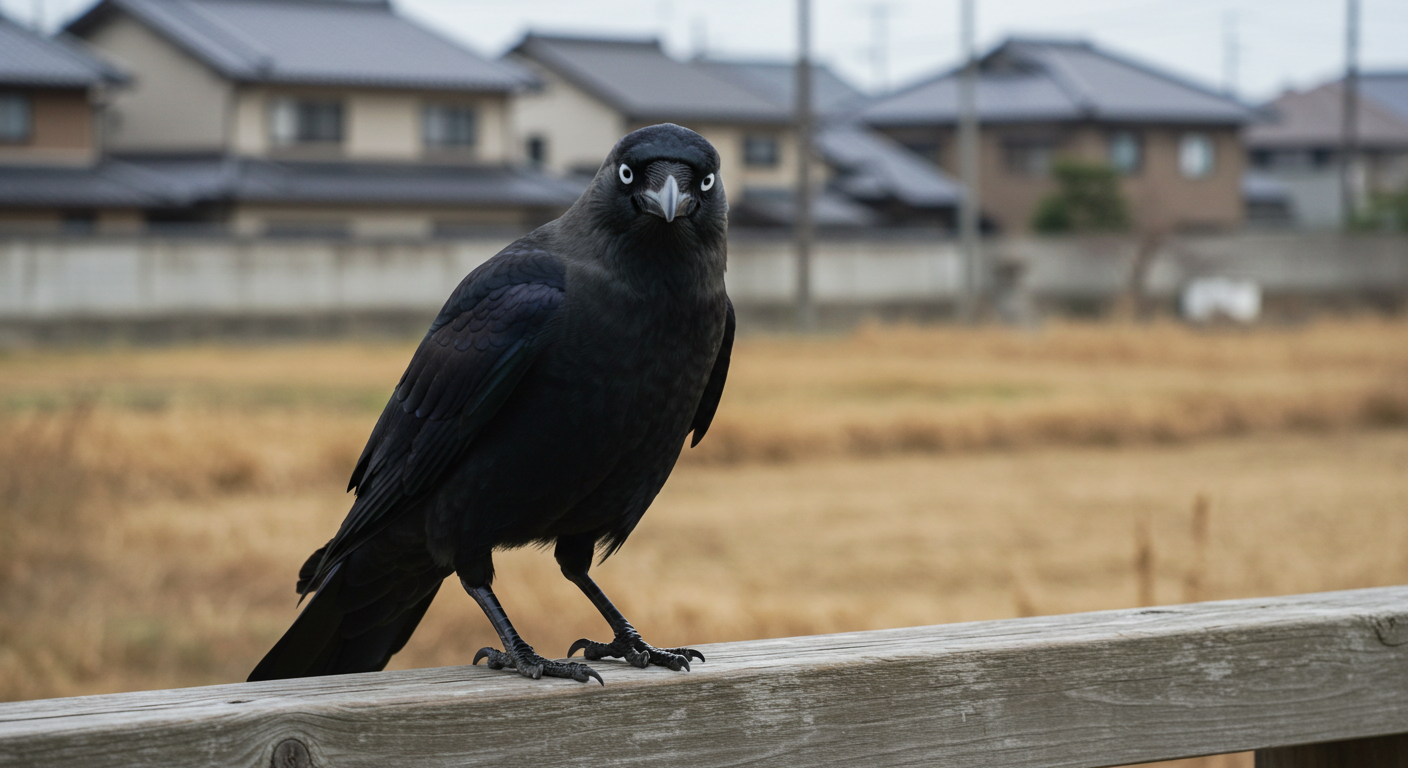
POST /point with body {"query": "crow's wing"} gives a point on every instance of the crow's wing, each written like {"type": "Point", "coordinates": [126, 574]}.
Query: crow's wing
{"type": "Point", "coordinates": [477, 349]}
{"type": "Point", "coordinates": [709, 401]}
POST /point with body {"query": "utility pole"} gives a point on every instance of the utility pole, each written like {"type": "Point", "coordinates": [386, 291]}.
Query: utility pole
{"type": "Point", "coordinates": [968, 166]}
{"type": "Point", "coordinates": [1349, 127]}
{"type": "Point", "coordinates": [880, 46]}
{"type": "Point", "coordinates": [806, 312]}
{"type": "Point", "coordinates": [1231, 53]}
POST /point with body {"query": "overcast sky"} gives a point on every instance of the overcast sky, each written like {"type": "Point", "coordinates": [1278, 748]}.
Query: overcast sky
{"type": "Point", "coordinates": [1278, 43]}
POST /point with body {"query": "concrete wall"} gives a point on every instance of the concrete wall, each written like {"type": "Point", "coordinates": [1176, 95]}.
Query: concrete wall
{"type": "Point", "coordinates": [57, 279]}
{"type": "Point", "coordinates": [173, 104]}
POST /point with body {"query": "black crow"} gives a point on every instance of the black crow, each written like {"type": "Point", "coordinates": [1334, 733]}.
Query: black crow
{"type": "Point", "coordinates": [546, 405]}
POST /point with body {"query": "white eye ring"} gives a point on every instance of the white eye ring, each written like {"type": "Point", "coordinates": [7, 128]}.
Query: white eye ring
{"type": "Point", "coordinates": [708, 183]}
{"type": "Point", "coordinates": [625, 173]}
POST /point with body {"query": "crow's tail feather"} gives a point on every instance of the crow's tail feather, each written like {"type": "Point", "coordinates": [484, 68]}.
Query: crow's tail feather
{"type": "Point", "coordinates": [323, 641]}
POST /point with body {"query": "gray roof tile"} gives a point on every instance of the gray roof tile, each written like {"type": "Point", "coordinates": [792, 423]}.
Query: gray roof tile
{"type": "Point", "coordinates": [1041, 80]}
{"type": "Point", "coordinates": [324, 42]}
{"type": "Point", "coordinates": [872, 167]}
{"type": "Point", "coordinates": [147, 182]}
{"type": "Point", "coordinates": [29, 59]}
{"type": "Point", "coordinates": [1314, 118]}
{"type": "Point", "coordinates": [777, 82]}
{"type": "Point", "coordinates": [639, 79]}
{"type": "Point", "coordinates": [1388, 89]}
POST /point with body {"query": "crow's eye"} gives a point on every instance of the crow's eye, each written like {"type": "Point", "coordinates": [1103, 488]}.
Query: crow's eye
{"type": "Point", "coordinates": [625, 173]}
{"type": "Point", "coordinates": [708, 183]}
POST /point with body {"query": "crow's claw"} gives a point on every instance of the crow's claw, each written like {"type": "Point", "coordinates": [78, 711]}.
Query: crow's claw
{"type": "Point", "coordinates": [636, 652]}
{"type": "Point", "coordinates": [533, 666]}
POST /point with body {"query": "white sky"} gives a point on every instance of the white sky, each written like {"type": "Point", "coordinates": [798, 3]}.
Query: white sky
{"type": "Point", "coordinates": [1280, 42]}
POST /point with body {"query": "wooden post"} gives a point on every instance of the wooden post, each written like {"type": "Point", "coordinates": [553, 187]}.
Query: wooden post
{"type": "Point", "coordinates": [1382, 752]}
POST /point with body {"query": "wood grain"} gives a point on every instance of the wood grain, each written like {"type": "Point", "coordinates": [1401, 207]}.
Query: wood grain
{"type": "Point", "coordinates": [1083, 690]}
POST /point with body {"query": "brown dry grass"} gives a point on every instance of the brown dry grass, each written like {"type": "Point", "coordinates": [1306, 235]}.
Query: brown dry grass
{"type": "Point", "coordinates": [155, 503]}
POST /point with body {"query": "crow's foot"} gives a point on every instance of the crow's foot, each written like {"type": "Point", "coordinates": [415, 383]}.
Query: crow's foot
{"type": "Point", "coordinates": [636, 652]}
{"type": "Point", "coordinates": [532, 665]}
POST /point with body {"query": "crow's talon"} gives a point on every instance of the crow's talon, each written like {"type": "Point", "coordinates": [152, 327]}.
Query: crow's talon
{"type": "Point", "coordinates": [535, 667]}
{"type": "Point", "coordinates": [636, 652]}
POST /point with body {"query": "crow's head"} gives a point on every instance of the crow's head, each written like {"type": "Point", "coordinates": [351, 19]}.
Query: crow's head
{"type": "Point", "coordinates": [663, 178]}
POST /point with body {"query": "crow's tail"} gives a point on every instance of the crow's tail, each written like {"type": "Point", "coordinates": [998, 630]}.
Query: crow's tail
{"type": "Point", "coordinates": [348, 627]}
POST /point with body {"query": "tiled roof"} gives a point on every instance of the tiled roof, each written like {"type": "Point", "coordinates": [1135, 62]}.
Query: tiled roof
{"type": "Point", "coordinates": [1042, 80]}
{"type": "Point", "coordinates": [1388, 89]}
{"type": "Point", "coordinates": [145, 182]}
{"type": "Point", "coordinates": [1315, 118]}
{"type": "Point", "coordinates": [315, 42]}
{"type": "Point", "coordinates": [30, 59]}
{"type": "Point", "coordinates": [637, 78]}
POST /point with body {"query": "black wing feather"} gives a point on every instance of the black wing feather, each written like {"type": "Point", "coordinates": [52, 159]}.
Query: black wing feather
{"type": "Point", "coordinates": [709, 401]}
{"type": "Point", "coordinates": [478, 348]}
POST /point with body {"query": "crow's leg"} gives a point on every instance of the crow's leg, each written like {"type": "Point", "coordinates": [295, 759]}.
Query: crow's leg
{"type": "Point", "coordinates": [575, 556]}
{"type": "Point", "coordinates": [518, 654]}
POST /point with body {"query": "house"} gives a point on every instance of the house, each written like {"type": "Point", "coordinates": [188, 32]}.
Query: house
{"type": "Point", "coordinates": [1300, 146]}
{"type": "Point", "coordinates": [311, 117]}
{"type": "Point", "coordinates": [51, 100]}
{"type": "Point", "coordinates": [1176, 145]}
{"type": "Point", "coordinates": [593, 90]}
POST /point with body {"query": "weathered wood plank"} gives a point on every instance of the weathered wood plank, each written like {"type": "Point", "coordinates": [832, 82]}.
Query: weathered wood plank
{"type": "Point", "coordinates": [1083, 690]}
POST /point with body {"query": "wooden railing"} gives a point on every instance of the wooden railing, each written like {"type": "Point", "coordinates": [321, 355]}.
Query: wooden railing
{"type": "Point", "coordinates": [1083, 690]}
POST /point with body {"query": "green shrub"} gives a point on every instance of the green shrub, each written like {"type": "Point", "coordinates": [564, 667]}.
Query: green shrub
{"type": "Point", "coordinates": [1087, 199]}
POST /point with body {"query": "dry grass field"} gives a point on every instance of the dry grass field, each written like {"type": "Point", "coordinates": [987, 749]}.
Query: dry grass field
{"type": "Point", "coordinates": [155, 503]}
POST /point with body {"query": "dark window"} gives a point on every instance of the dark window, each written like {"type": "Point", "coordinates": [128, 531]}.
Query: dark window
{"type": "Point", "coordinates": [1126, 152]}
{"type": "Point", "coordinates": [1321, 157]}
{"type": "Point", "coordinates": [306, 121]}
{"type": "Point", "coordinates": [449, 125]}
{"type": "Point", "coordinates": [1027, 158]}
{"type": "Point", "coordinates": [78, 222]}
{"type": "Point", "coordinates": [537, 151]}
{"type": "Point", "coordinates": [299, 228]}
{"type": "Point", "coordinates": [1261, 158]}
{"type": "Point", "coordinates": [15, 117]}
{"type": "Point", "coordinates": [760, 151]}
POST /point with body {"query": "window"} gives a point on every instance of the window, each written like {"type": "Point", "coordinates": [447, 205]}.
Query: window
{"type": "Point", "coordinates": [299, 228]}
{"type": "Point", "coordinates": [449, 126]}
{"type": "Point", "coordinates": [14, 117]}
{"type": "Point", "coordinates": [1195, 155]}
{"type": "Point", "coordinates": [305, 121]}
{"type": "Point", "coordinates": [1126, 152]}
{"type": "Point", "coordinates": [760, 151]}
{"type": "Point", "coordinates": [537, 151]}
{"type": "Point", "coordinates": [1027, 158]}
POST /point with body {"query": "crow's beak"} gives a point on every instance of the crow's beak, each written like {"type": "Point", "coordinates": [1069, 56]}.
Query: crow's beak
{"type": "Point", "coordinates": [667, 201]}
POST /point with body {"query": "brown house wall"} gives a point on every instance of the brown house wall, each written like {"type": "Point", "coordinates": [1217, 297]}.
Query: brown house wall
{"type": "Point", "coordinates": [61, 130]}
{"type": "Point", "coordinates": [62, 120]}
{"type": "Point", "coordinates": [1159, 196]}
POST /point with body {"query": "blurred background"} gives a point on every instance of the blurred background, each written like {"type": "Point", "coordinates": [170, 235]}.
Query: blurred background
{"type": "Point", "coordinates": [1069, 309]}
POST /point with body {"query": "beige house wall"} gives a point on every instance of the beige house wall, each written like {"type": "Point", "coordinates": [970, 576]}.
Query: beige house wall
{"type": "Point", "coordinates": [173, 104]}
{"type": "Point", "coordinates": [579, 128]}
{"type": "Point", "coordinates": [62, 130]}
{"type": "Point", "coordinates": [1160, 197]}
{"type": "Point", "coordinates": [380, 125]}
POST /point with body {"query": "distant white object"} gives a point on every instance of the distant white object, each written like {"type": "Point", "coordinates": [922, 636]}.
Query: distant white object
{"type": "Point", "coordinates": [1210, 298]}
